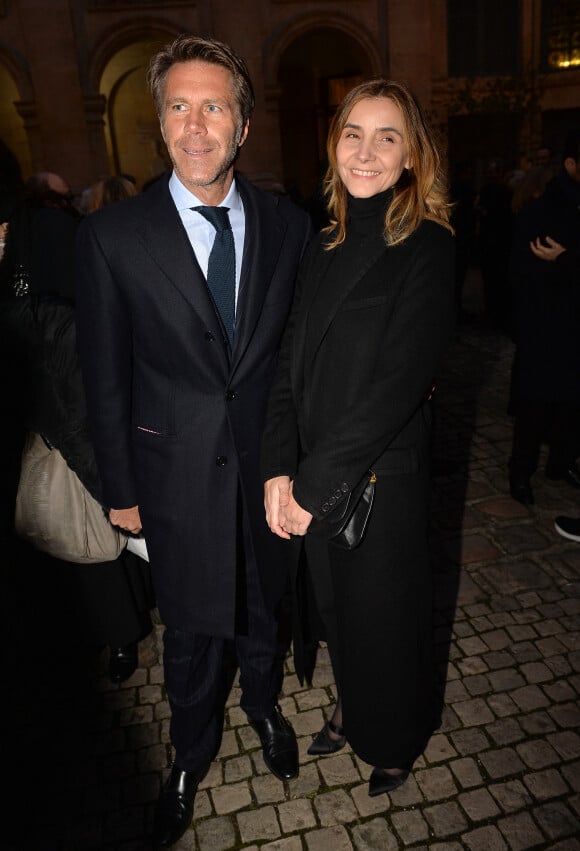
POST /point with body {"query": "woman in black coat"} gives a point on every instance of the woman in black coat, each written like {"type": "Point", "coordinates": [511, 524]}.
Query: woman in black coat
{"type": "Point", "coordinates": [373, 314]}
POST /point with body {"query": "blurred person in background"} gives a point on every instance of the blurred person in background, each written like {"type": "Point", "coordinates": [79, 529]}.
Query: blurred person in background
{"type": "Point", "coordinates": [545, 271]}
{"type": "Point", "coordinates": [113, 599]}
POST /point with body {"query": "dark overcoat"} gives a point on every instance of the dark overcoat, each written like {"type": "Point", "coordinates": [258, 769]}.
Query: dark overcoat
{"type": "Point", "coordinates": [175, 419]}
{"type": "Point", "coordinates": [372, 360]}
{"type": "Point", "coordinates": [351, 393]}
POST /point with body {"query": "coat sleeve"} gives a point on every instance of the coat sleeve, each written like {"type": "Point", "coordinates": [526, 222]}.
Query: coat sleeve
{"type": "Point", "coordinates": [410, 351]}
{"type": "Point", "coordinates": [280, 440]}
{"type": "Point", "coordinates": [105, 350]}
{"type": "Point", "coordinates": [67, 427]}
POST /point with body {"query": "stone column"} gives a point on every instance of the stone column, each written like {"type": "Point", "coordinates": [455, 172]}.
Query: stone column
{"type": "Point", "coordinates": [95, 106]}
{"type": "Point", "coordinates": [49, 45]}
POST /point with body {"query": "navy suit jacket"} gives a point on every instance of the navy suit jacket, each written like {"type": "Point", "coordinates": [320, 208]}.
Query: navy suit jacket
{"type": "Point", "coordinates": [176, 418]}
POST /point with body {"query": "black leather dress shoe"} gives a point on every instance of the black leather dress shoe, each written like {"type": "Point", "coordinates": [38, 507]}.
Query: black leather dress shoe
{"type": "Point", "coordinates": [521, 490]}
{"type": "Point", "coordinates": [379, 782]}
{"type": "Point", "coordinates": [122, 663]}
{"type": "Point", "coordinates": [279, 745]}
{"type": "Point", "coordinates": [571, 476]}
{"type": "Point", "coordinates": [324, 744]}
{"type": "Point", "coordinates": [174, 811]}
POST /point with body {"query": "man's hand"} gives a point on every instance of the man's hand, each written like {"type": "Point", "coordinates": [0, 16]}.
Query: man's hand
{"type": "Point", "coordinates": [276, 496]}
{"type": "Point", "coordinates": [127, 519]}
{"type": "Point", "coordinates": [547, 252]}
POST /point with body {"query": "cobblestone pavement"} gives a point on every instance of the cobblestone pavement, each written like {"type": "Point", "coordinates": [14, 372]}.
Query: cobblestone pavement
{"type": "Point", "coordinates": [84, 760]}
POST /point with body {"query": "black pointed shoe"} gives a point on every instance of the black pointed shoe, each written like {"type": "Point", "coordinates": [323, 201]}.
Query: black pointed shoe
{"type": "Point", "coordinates": [122, 662]}
{"type": "Point", "coordinates": [379, 782]}
{"type": "Point", "coordinates": [174, 811]}
{"type": "Point", "coordinates": [324, 744]}
{"type": "Point", "coordinates": [279, 744]}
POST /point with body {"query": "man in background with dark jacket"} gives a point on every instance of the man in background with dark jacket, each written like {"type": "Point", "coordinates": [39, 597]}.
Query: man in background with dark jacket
{"type": "Point", "coordinates": [545, 271]}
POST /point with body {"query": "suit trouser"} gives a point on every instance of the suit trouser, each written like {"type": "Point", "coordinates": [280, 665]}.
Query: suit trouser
{"type": "Point", "coordinates": [194, 671]}
{"type": "Point", "coordinates": [558, 423]}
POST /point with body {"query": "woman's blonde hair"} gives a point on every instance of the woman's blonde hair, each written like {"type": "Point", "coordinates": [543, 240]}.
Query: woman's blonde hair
{"type": "Point", "coordinates": [107, 191]}
{"type": "Point", "coordinates": [420, 192]}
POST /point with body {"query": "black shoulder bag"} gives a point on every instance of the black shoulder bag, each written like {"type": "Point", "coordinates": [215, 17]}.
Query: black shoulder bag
{"type": "Point", "coordinates": [346, 526]}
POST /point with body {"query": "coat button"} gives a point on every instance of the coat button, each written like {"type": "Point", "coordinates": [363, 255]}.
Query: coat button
{"type": "Point", "coordinates": [221, 461]}
{"type": "Point", "coordinates": [231, 395]}
{"type": "Point", "coordinates": [331, 500]}
{"type": "Point", "coordinates": [325, 507]}
{"type": "Point", "coordinates": [338, 494]}
{"type": "Point", "coordinates": [344, 487]}
{"type": "Point", "coordinates": [209, 336]}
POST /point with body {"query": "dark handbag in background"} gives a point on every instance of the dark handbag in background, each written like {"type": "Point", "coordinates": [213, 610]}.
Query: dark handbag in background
{"type": "Point", "coordinates": [346, 528]}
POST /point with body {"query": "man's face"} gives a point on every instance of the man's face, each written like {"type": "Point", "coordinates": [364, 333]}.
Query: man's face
{"type": "Point", "coordinates": [543, 157]}
{"type": "Point", "coordinates": [202, 128]}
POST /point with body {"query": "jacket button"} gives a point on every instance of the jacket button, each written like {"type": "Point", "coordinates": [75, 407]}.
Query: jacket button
{"type": "Point", "coordinates": [221, 461]}
{"type": "Point", "coordinates": [325, 506]}
{"type": "Point", "coordinates": [231, 395]}
{"type": "Point", "coordinates": [344, 487]}
{"type": "Point", "coordinates": [331, 500]}
{"type": "Point", "coordinates": [338, 494]}
{"type": "Point", "coordinates": [209, 336]}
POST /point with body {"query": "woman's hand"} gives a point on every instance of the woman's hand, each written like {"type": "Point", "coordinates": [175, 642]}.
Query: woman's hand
{"type": "Point", "coordinates": [293, 518]}
{"type": "Point", "coordinates": [547, 252]}
{"type": "Point", "coordinates": [283, 514]}
{"type": "Point", "coordinates": [276, 497]}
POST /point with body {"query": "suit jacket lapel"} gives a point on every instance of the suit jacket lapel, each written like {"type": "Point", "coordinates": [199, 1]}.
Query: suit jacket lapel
{"type": "Point", "coordinates": [164, 238]}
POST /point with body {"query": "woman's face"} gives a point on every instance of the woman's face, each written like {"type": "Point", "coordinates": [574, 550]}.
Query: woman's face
{"type": "Point", "coordinates": [372, 151]}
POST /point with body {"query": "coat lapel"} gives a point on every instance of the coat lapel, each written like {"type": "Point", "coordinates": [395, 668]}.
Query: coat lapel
{"type": "Point", "coordinates": [264, 234]}
{"type": "Point", "coordinates": [165, 239]}
{"type": "Point", "coordinates": [341, 293]}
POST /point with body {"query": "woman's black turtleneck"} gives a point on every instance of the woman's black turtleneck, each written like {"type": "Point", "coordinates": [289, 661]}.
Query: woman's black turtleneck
{"type": "Point", "coordinates": [366, 216]}
{"type": "Point", "coordinates": [365, 225]}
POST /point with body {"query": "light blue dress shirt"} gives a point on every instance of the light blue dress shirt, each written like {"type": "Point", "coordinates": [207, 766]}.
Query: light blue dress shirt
{"type": "Point", "coordinates": [200, 232]}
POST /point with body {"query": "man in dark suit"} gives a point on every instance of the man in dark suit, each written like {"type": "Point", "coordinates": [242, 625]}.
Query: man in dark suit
{"type": "Point", "coordinates": [177, 374]}
{"type": "Point", "coordinates": [545, 271]}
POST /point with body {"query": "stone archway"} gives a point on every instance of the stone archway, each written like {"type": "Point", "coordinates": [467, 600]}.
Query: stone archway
{"type": "Point", "coordinates": [314, 65]}
{"type": "Point", "coordinates": [17, 115]}
{"type": "Point", "coordinates": [132, 132]}
{"type": "Point", "coordinates": [129, 122]}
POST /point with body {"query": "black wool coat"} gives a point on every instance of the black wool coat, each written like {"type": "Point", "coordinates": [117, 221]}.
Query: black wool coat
{"type": "Point", "coordinates": [351, 393]}
{"type": "Point", "coordinates": [176, 421]}
{"type": "Point", "coordinates": [373, 356]}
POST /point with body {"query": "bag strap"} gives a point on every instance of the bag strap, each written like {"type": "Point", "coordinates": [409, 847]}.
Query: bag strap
{"type": "Point", "coordinates": [21, 274]}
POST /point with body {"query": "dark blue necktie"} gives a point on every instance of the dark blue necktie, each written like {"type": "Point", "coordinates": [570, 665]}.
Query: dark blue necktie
{"type": "Point", "coordinates": [221, 268]}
